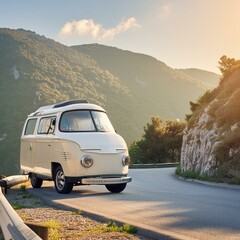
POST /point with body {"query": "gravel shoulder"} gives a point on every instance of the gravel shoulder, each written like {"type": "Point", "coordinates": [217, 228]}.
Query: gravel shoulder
{"type": "Point", "coordinates": [62, 224]}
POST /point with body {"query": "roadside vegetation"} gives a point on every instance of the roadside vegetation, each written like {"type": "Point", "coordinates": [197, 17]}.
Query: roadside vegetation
{"type": "Point", "coordinates": [217, 177]}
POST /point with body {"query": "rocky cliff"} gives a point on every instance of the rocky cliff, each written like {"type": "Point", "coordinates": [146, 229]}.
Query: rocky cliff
{"type": "Point", "coordinates": [211, 141]}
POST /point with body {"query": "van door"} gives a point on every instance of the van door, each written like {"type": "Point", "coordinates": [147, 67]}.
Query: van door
{"type": "Point", "coordinates": [28, 146]}
{"type": "Point", "coordinates": [43, 143]}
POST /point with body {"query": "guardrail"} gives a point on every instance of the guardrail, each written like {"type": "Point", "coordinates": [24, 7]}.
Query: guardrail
{"type": "Point", "coordinates": [12, 225]}
{"type": "Point", "coordinates": [154, 165]}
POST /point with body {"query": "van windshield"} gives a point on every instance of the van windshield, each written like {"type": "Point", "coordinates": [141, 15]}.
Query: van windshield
{"type": "Point", "coordinates": [85, 121]}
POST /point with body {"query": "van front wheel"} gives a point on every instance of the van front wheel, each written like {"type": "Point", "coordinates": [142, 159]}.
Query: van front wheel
{"type": "Point", "coordinates": [60, 183]}
{"type": "Point", "coordinates": [35, 181]}
{"type": "Point", "coordinates": [116, 188]}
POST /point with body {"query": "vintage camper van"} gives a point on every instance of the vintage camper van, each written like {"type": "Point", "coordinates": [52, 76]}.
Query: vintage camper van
{"type": "Point", "coordinates": [73, 143]}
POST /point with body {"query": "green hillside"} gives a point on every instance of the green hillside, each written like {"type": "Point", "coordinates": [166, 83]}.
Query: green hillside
{"type": "Point", "coordinates": [132, 87]}
{"type": "Point", "coordinates": [154, 87]}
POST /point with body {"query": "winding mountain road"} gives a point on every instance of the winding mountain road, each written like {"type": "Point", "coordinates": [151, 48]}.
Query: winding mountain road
{"type": "Point", "coordinates": [157, 200]}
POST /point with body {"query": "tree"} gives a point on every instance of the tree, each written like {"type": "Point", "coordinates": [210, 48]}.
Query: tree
{"type": "Point", "coordinates": [193, 106]}
{"type": "Point", "coordinates": [173, 139]}
{"type": "Point", "coordinates": [227, 66]}
{"type": "Point", "coordinates": [161, 142]}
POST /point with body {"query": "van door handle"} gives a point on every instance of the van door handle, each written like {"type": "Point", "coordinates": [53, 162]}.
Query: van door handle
{"type": "Point", "coordinates": [30, 146]}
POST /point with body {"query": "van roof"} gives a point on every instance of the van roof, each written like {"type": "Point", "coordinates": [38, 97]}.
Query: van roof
{"type": "Point", "coordinates": [64, 106]}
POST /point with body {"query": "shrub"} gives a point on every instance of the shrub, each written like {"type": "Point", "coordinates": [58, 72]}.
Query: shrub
{"type": "Point", "coordinates": [129, 228]}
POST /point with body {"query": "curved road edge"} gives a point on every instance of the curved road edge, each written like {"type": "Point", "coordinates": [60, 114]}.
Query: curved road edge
{"type": "Point", "coordinates": [214, 184]}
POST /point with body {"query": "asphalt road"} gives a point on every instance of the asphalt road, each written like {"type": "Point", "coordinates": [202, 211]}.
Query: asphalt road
{"type": "Point", "coordinates": [157, 200]}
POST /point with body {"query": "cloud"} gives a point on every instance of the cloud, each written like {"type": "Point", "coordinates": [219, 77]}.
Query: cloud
{"type": "Point", "coordinates": [166, 9]}
{"type": "Point", "coordinates": [162, 13]}
{"type": "Point", "coordinates": [87, 27]}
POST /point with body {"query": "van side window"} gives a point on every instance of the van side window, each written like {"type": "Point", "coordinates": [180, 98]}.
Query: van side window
{"type": "Point", "coordinates": [30, 127]}
{"type": "Point", "coordinates": [47, 125]}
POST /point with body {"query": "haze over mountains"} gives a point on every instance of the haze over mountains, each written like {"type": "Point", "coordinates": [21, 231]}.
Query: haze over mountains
{"type": "Point", "coordinates": [132, 87]}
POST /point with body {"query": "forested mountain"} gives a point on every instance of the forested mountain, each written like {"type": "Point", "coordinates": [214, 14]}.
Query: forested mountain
{"type": "Point", "coordinates": [36, 71]}
{"type": "Point", "coordinates": [154, 87]}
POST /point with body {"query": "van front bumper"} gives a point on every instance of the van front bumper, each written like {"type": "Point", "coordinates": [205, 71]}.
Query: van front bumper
{"type": "Point", "coordinates": [104, 181]}
{"type": "Point", "coordinates": [99, 179]}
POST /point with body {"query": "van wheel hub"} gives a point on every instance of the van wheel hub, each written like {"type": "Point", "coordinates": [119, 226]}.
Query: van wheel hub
{"type": "Point", "coordinates": [60, 179]}
{"type": "Point", "coordinates": [61, 185]}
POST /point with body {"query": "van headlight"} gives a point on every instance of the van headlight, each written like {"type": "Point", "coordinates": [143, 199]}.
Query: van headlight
{"type": "Point", "coordinates": [87, 161]}
{"type": "Point", "coordinates": [126, 160]}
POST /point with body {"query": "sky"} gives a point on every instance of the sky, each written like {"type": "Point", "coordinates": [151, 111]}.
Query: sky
{"type": "Point", "coordinates": [180, 33]}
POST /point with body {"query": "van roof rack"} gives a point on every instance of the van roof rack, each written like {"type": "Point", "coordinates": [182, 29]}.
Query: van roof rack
{"type": "Point", "coordinates": [70, 102]}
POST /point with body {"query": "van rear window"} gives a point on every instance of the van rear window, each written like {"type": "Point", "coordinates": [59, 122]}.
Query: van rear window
{"type": "Point", "coordinates": [30, 127]}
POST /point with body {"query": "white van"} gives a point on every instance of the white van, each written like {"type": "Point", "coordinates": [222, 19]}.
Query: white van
{"type": "Point", "coordinates": [73, 143]}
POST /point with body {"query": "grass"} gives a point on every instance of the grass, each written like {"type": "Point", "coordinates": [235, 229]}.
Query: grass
{"type": "Point", "coordinates": [110, 227]}
{"type": "Point", "coordinates": [129, 228]}
{"type": "Point", "coordinates": [219, 176]}
{"type": "Point", "coordinates": [113, 227]}
{"type": "Point", "coordinates": [196, 175]}
{"type": "Point", "coordinates": [78, 212]}
{"type": "Point", "coordinates": [24, 200]}
{"type": "Point", "coordinates": [53, 226]}
{"type": "Point", "coordinates": [26, 218]}
{"type": "Point", "coordinates": [17, 206]}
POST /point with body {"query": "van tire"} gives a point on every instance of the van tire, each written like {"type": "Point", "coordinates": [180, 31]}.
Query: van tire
{"type": "Point", "coordinates": [60, 183]}
{"type": "Point", "coordinates": [116, 188]}
{"type": "Point", "coordinates": [35, 181]}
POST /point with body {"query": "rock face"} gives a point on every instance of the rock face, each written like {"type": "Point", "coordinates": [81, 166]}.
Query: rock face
{"type": "Point", "coordinates": [212, 137]}
{"type": "Point", "coordinates": [198, 146]}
